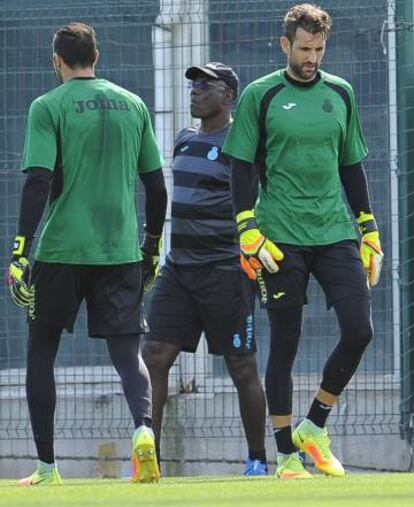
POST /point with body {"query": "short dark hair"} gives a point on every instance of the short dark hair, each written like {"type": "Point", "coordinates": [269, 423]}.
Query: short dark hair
{"type": "Point", "coordinates": [309, 17]}
{"type": "Point", "coordinates": [76, 44]}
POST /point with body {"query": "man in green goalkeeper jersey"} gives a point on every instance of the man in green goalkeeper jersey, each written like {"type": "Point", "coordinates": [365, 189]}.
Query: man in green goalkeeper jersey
{"type": "Point", "coordinates": [299, 128]}
{"type": "Point", "coordinates": [86, 142]}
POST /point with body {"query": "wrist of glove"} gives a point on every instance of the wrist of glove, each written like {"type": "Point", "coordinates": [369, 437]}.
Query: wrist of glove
{"type": "Point", "coordinates": [257, 252]}
{"type": "Point", "coordinates": [18, 276]}
{"type": "Point", "coordinates": [151, 249]}
{"type": "Point", "coordinates": [371, 253]}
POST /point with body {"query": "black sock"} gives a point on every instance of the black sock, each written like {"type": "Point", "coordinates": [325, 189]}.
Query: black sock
{"type": "Point", "coordinates": [318, 413]}
{"type": "Point", "coordinates": [283, 438]}
{"type": "Point", "coordinates": [143, 421]}
{"type": "Point", "coordinates": [260, 455]}
{"type": "Point", "coordinates": [45, 450]}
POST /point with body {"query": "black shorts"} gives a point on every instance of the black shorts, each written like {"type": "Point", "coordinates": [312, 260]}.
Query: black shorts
{"type": "Point", "coordinates": [218, 300]}
{"type": "Point", "coordinates": [112, 293]}
{"type": "Point", "coordinates": [337, 268]}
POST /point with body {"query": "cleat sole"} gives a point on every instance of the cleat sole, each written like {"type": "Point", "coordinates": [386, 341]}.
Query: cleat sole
{"type": "Point", "coordinates": [29, 481]}
{"type": "Point", "coordinates": [293, 476]}
{"type": "Point", "coordinates": [145, 466]}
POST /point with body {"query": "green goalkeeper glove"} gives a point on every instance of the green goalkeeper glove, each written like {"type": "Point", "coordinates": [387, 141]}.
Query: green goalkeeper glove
{"type": "Point", "coordinates": [151, 249]}
{"type": "Point", "coordinates": [371, 253]}
{"type": "Point", "coordinates": [257, 251]}
{"type": "Point", "coordinates": [18, 278]}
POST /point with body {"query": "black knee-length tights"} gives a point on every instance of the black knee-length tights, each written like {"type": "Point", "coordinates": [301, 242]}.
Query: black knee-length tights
{"type": "Point", "coordinates": [354, 318]}
{"type": "Point", "coordinates": [40, 381]}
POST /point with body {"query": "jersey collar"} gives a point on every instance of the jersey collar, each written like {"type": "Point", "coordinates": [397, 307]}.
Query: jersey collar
{"type": "Point", "coordinates": [302, 84]}
{"type": "Point", "coordinates": [83, 78]}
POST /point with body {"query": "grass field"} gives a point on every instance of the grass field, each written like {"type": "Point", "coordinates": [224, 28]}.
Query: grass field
{"type": "Point", "coordinates": [362, 490]}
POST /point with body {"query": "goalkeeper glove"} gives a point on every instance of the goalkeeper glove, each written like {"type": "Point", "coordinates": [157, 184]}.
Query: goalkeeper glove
{"type": "Point", "coordinates": [18, 278]}
{"type": "Point", "coordinates": [257, 251]}
{"type": "Point", "coordinates": [151, 249]}
{"type": "Point", "coordinates": [371, 254]}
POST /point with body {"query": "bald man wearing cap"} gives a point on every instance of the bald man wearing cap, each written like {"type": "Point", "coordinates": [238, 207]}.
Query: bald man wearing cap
{"type": "Point", "coordinates": [202, 288]}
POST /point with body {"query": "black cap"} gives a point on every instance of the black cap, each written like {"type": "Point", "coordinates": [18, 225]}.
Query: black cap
{"type": "Point", "coordinates": [217, 70]}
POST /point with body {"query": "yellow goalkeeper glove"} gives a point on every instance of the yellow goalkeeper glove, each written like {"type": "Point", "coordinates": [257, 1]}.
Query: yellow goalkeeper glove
{"type": "Point", "coordinates": [151, 249]}
{"type": "Point", "coordinates": [18, 278]}
{"type": "Point", "coordinates": [371, 253]}
{"type": "Point", "coordinates": [257, 251]}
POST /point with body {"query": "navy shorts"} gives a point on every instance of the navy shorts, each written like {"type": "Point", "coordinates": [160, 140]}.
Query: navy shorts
{"type": "Point", "coordinates": [219, 300]}
{"type": "Point", "coordinates": [112, 293]}
{"type": "Point", "coordinates": [337, 268]}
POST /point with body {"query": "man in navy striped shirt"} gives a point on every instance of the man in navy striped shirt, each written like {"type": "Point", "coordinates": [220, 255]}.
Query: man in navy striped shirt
{"type": "Point", "coordinates": [201, 287]}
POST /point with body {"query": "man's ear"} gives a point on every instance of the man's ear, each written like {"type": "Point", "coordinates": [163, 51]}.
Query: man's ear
{"type": "Point", "coordinates": [229, 96]}
{"type": "Point", "coordinates": [57, 61]}
{"type": "Point", "coordinates": [96, 59]}
{"type": "Point", "coordinates": [285, 45]}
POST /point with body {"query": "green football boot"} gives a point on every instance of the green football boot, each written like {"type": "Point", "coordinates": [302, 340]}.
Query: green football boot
{"type": "Point", "coordinates": [45, 475]}
{"type": "Point", "coordinates": [290, 466]}
{"type": "Point", "coordinates": [314, 441]}
{"type": "Point", "coordinates": [144, 457]}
